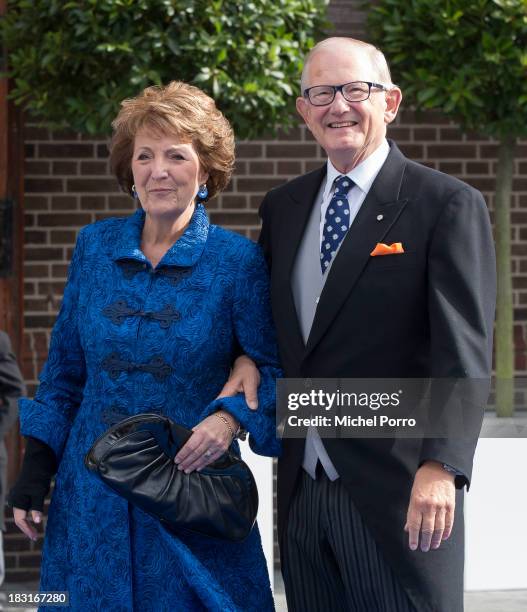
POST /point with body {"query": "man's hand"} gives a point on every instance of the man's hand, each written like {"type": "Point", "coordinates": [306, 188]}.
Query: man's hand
{"type": "Point", "coordinates": [244, 378]}
{"type": "Point", "coordinates": [431, 508]}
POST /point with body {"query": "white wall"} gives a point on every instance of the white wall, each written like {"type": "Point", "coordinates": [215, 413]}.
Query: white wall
{"type": "Point", "coordinates": [262, 468]}
{"type": "Point", "coordinates": [496, 516]}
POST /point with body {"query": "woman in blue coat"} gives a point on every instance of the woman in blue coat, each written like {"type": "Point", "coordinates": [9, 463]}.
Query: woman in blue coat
{"type": "Point", "coordinates": [156, 307]}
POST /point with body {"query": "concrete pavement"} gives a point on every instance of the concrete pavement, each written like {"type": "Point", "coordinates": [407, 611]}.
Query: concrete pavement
{"type": "Point", "coordinates": [475, 601]}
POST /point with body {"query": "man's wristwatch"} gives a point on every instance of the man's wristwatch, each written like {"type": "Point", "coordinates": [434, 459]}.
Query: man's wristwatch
{"type": "Point", "coordinates": [450, 469]}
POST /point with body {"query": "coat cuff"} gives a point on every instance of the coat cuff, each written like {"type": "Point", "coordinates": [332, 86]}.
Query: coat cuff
{"type": "Point", "coordinates": [38, 422]}
{"type": "Point", "coordinates": [260, 423]}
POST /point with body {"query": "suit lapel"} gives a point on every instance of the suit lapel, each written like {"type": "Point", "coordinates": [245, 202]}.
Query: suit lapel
{"type": "Point", "coordinates": [302, 194]}
{"type": "Point", "coordinates": [365, 232]}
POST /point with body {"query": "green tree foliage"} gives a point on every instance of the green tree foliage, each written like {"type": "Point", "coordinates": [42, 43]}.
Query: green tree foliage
{"type": "Point", "coordinates": [468, 59]}
{"type": "Point", "coordinates": [73, 62]}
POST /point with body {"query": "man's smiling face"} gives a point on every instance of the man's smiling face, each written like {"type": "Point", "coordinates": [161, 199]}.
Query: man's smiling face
{"type": "Point", "coordinates": [348, 131]}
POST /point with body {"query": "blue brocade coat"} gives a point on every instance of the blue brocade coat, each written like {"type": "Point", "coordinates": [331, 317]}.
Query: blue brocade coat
{"type": "Point", "coordinates": [132, 339]}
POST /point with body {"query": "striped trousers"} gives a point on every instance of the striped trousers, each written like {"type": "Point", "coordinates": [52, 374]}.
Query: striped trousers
{"type": "Point", "coordinates": [330, 562]}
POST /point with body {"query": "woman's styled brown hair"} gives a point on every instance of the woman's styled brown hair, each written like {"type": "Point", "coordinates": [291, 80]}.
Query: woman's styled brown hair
{"type": "Point", "coordinates": [182, 110]}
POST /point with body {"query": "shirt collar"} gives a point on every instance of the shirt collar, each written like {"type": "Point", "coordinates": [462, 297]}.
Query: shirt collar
{"type": "Point", "coordinates": [184, 252]}
{"type": "Point", "coordinates": [363, 174]}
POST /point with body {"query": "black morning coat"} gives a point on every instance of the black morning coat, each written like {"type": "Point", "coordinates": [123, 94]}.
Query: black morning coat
{"type": "Point", "coordinates": [11, 388]}
{"type": "Point", "coordinates": [425, 313]}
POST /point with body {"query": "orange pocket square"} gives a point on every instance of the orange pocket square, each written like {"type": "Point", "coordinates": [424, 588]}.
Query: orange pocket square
{"type": "Point", "coordinates": [387, 249]}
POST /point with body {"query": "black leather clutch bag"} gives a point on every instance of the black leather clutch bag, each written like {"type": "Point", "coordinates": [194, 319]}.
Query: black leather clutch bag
{"type": "Point", "coordinates": [135, 458]}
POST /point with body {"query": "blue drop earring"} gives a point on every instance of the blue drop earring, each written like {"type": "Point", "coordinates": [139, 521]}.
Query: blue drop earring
{"type": "Point", "coordinates": [203, 192]}
{"type": "Point", "coordinates": [135, 196]}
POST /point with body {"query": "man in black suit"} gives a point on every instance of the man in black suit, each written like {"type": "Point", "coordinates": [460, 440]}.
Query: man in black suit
{"type": "Point", "coordinates": [11, 388]}
{"type": "Point", "coordinates": [370, 525]}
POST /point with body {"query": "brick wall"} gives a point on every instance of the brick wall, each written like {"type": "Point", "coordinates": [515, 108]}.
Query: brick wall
{"type": "Point", "coordinates": [68, 185]}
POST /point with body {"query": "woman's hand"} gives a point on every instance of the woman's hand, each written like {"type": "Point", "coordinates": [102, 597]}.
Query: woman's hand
{"type": "Point", "coordinates": [22, 521]}
{"type": "Point", "coordinates": [29, 491]}
{"type": "Point", "coordinates": [211, 438]}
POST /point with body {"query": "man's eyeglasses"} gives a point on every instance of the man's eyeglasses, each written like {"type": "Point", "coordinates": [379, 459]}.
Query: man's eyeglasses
{"type": "Point", "coordinates": [356, 91]}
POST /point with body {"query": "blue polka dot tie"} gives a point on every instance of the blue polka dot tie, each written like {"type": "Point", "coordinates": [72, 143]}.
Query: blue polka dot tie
{"type": "Point", "coordinates": [337, 221]}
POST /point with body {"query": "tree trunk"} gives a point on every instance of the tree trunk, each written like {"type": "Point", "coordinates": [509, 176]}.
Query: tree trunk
{"type": "Point", "coordinates": [504, 311]}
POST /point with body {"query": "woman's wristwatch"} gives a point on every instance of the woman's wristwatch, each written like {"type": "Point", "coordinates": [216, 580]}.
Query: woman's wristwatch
{"type": "Point", "coordinates": [241, 433]}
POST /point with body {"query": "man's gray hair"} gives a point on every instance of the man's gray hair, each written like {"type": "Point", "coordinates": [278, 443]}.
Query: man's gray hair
{"type": "Point", "coordinates": [378, 61]}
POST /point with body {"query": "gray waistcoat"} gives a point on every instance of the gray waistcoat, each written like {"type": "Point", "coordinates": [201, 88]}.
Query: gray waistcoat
{"type": "Point", "coordinates": [307, 284]}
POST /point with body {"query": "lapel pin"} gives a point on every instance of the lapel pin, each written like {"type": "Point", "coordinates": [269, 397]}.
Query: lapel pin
{"type": "Point", "coordinates": [379, 217]}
